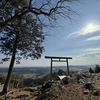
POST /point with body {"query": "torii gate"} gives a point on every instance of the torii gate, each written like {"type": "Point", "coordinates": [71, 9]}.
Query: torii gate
{"type": "Point", "coordinates": [58, 59]}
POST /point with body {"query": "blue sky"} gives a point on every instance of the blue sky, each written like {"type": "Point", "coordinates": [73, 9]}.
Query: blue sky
{"type": "Point", "coordinates": [79, 40]}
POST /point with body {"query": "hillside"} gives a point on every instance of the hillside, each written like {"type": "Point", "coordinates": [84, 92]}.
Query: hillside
{"type": "Point", "coordinates": [79, 87]}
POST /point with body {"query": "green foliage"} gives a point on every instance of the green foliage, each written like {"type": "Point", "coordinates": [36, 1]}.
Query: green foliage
{"type": "Point", "coordinates": [2, 79]}
{"type": "Point", "coordinates": [60, 72]}
{"type": "Point", "coordinates": [28, 82]}
{"type": "Point", "coordinates": [24, 29]}
{"type": "Point", "coordinates": [19, 3]}
{"type": "Point", "coordinates": [16, 4]}
{"type": "Point", "coordinates": [31, 85]}
{"type": "Point", "coordinates": [46, 78]}
{"type": "Point", "coordinates": [18, 80]}
{"type": "Point", "coordinates": [97, 69]}
{"type": "Point", "coordinates": [71, 72]}
{"type": "Point", "coordinates": [28, 20]}
{"type": "Point", "coordinates": [29, 39]}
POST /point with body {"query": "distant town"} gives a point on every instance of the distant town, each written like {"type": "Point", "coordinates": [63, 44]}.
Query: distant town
{"type": "Point", "coordinates": [39, 72]}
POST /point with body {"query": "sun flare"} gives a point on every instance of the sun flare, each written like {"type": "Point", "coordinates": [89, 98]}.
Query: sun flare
{"type": "Point", "coordinates": [90, 27]}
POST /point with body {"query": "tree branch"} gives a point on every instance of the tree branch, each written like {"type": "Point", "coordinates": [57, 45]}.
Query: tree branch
{"type": "Point", "coordinates": [51, 12]}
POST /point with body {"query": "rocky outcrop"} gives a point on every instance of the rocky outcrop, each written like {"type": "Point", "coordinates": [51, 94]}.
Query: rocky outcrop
{"type": "Point", "coordinates": [79, 86]}
{"type": "Point", "coordinates": [83, 86]}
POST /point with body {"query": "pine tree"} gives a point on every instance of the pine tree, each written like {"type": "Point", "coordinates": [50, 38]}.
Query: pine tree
{"type": "Point", "coordinates": [22, 27]}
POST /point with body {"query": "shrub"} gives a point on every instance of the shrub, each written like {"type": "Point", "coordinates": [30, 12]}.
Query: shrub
{"type": "Point", "coordinates": [97, 69]}
{"type": "Point", "coordinates": [61, 72]}
{"type": "Point", "coordinates": [18, 80]}
{"type": "Point", "coordinates": [2, 79]}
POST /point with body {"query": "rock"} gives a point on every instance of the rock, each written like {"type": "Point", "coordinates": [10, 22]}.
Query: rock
{"type": "Point", "coordinates": [46, 87]}
{"type": "Point", "coordinates": [85, 92]}
{"type": "Point", "coordinates": [95, 92]}
{"type": "Point", "coordinates": [88, 86]}
{"type": "Point", "coordinates": [65, 80]}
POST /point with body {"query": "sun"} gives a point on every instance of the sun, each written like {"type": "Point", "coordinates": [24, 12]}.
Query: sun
{"type": "Point", "coordinates": [89, 29]}
{"type": "Point", "coordinates": [90, 26]}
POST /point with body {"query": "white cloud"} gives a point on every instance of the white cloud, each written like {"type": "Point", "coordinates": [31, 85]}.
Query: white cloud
{"type": "Point", "coordinates": [90, 52]}
{"type": "Point", "coordinates": [86, 30]}
{"type": "Point", "coordinates": [93, 38]}
{"type": "Point", "coordinates": [92, 49]}
{"type": "Point", "coordinates": [72, 34]}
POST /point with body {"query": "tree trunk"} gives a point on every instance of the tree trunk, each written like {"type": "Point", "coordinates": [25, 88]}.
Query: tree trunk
{"type": "Point", "coordinates": [5, 88]}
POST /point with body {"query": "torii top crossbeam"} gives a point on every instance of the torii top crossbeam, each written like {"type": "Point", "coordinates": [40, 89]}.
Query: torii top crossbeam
{"type": "Point", "coordinates": [58, 59]}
